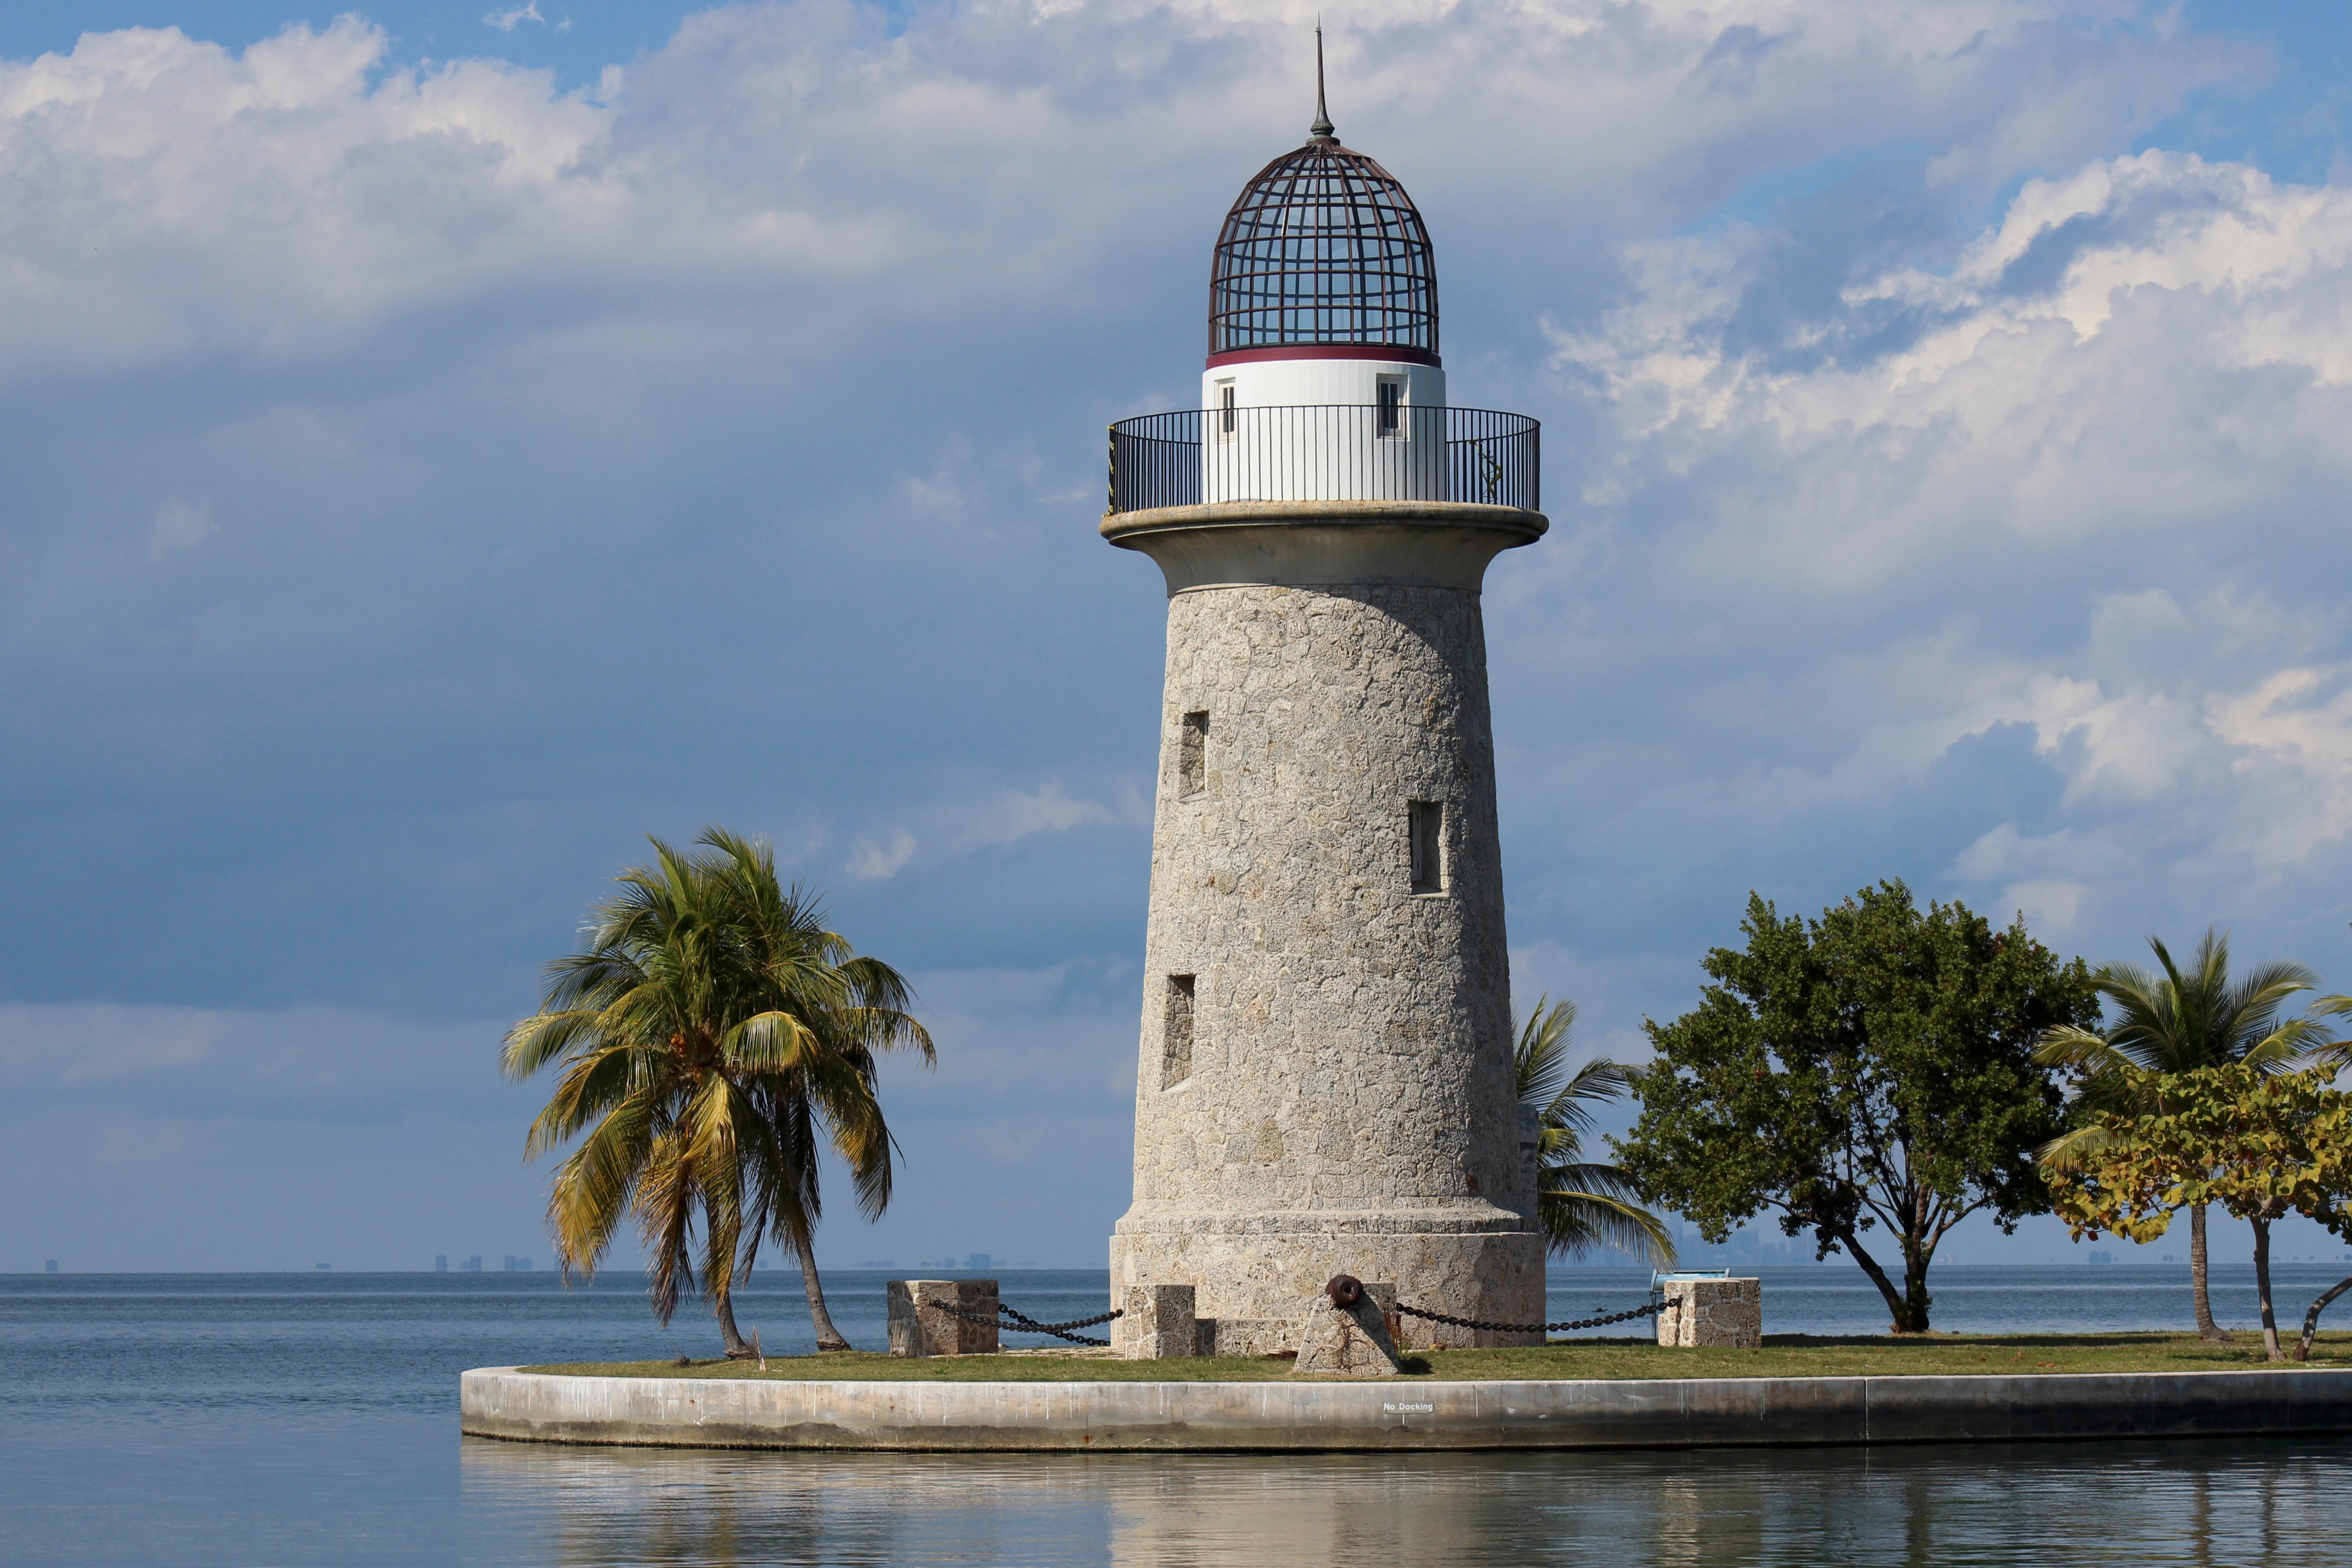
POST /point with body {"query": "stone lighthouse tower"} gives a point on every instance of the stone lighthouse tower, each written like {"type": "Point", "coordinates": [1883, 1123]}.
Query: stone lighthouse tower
{"type": "Point", "coordinates": [1325, 1083]}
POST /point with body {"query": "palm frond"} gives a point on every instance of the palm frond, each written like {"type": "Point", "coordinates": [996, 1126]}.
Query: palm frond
{"type": "Point", "coordinates": [1579, 1205]}
{"type": "Point", "coordinates": [665, 1201]}
{"type": "Point", "coordinates": [542, 1039]}
{"type": "Point", "coordinates": [2067, 1046]}
{"type": "Point", "coordinates": [2070, 1151]}
{"type": "Point", "coordinates": [591, 1086]}
{"type": "Point", "coordinates": [1540, 1056]}
{"type": "Point", "coordinates": [595, 1184]}
{"type": "Point", "coordinates": [771, 1042]}
{"type": "Point", "coordinates": [1569, 1116]}
{"type": "Point", "coordinates": [1575, 1222]}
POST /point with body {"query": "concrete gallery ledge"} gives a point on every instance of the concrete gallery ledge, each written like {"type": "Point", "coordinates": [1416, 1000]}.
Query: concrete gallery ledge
{"type": "Point", "coordinates": [715, 1412]}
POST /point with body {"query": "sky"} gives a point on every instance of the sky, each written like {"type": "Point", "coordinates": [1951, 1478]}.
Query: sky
{"type": "Point", "coordinates": [447, 443]}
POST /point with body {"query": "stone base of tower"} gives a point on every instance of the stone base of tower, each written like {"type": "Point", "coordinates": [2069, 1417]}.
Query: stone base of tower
{"type": "Point", "coordinates": [1263, 1270]}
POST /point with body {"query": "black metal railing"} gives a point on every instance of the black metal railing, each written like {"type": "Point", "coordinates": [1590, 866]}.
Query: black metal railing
{"type": "Point", "coordinates": [1195, 457]}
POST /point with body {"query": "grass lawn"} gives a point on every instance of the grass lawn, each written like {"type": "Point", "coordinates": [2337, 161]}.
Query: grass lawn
{"type": "Point", "coordinates": [1783, 1355]}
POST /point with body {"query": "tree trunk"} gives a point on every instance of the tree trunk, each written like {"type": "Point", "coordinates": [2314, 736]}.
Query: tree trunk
{"type": "Point", "coordinates": [1898, 1303]}
{"type": "Point", "coordinates": [1916, 1299]}
{"type": "Point", "coordinates": [728, 1335]}
{"type": "Point", "coordinates": [2207, 1328]}
{"type": "Point", "coordinates": [2311, 1319]}
{"type": "Point", "coordinates": [2262, 1289]}
{"type": "Point", "coordinates": [828, 1338]}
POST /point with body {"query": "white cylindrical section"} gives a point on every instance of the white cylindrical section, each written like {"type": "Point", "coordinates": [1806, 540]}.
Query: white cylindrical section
{"type": "Point", "coordinates": [1323, 429]}
{"type": "Point", "coordinates": [1297, 383]}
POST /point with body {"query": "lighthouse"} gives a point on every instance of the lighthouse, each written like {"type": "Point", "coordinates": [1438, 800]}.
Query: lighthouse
{"type": "Point", "coordinates": [1324, 1082]}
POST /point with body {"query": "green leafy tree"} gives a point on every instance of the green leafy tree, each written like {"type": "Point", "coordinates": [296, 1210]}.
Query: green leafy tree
{"type": "Point", "coordinates": [714, 1040]}
{"type": "Point", "coordinates": [2175, 1021]}
{"type": "Point", "coordinates": [1873, 1067]}
{"type": "Point", "coordinates": [2261, 1143]}
{"type": "Point", "coordinates": [1579, 1203]}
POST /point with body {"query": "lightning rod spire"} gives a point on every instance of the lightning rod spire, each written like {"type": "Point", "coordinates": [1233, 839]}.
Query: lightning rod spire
{"type": "Point", "coordinates": [1322, 126]}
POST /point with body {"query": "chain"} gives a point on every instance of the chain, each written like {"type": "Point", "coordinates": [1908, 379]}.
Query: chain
{"type": "Point", "coordinates": [1024, 1320]}
{"type": "Point", "coordinates": [1643, 1311]}
{"type": "Point", "coordinates": [1024, 1323]}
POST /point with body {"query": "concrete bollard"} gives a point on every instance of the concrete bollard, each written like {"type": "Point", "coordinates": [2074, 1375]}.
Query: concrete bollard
{"type": "Point", "coordinates": [1157, 1322]}
{"type": "Point", "coordinates": [1347, 1336]}
{"type": "Point", "coordinates": [918, 1328]}
{"type": "Point", "coordinates": [1727, 1314]}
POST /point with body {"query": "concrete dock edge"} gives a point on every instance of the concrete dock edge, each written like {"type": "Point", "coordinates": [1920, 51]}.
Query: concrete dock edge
{"type": "Point", "coordinates": [1680, 1413]}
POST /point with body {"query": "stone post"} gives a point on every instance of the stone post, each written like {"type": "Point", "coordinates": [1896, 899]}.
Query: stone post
{"type": "Point", "coordinates": [1158, 1321]}
{"type": "Point", "coordinates": [918, 1328]}
{"type": "Point", "coordinates": [1727, 1314]}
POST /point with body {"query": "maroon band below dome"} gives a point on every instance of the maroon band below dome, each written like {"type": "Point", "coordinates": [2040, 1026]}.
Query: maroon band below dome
{"type": "Point", "coordinates": [1396, 353]}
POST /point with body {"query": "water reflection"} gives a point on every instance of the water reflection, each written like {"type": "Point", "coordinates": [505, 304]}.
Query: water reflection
{"type": "Point", "coordinates": [2282, 1504]}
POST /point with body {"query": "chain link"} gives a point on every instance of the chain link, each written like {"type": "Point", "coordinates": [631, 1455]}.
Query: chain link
{"type": "Point", "coordinates": [1643, 1311]}
{"type": "Point", "coordinates": [1024, 1320]}
{"type": "Point", "coordinates": [1009, 1316]}
{"type": "Point", "coordinates": [1023, 1323]}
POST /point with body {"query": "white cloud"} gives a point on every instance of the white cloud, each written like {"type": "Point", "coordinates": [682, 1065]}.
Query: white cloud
{"type": "Point", "coordinates": [2294, 739]}
{"type": "Point", "coordinates": [2049, 906]}
{"type": "Point", "coordinates": [2074, 481]}
{"type": "Point", "coordinates": [2180, 352]}
{"type": "Point", "coordinates": [179, 525]}
{"type": "Point", "coordinates": [1011, 816]}
{"type": "Point", "coordinates": [283, 200]}
{"type": "Point", "coordinates": [209, 1060]}
{"type": "Point", "coordinates": [872, 862]}
{"type": "Point", "coordinates": [91, 1043]}
{"type": "Point", "coordinates": [141, 1140]}
{"type": "Point", "coordinates": [506, 21]}
{"type": "Point", "coordinates": [959, 828]}
{"type": "Point", "coordinates": [552, 423]}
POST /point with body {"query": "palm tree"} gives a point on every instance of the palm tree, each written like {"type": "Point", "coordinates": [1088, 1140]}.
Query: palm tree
{"type": "Point", "coordinates": [1579, 1205]}
{"type": "Point", "coordinates": [714, 1039]}
{"type": "Point", "coordinates": [2176, 1023]}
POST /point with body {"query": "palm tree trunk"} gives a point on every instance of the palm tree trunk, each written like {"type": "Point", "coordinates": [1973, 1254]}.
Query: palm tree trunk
{"type": "Point", "coordinates": [2207, 1328]}
{"type": "Point", "coordinates": [828, 1338]}
{"type": "Point", "coordinates": [2262, 1289]}
{"type": "Point", "coordinates": [737, 1348]}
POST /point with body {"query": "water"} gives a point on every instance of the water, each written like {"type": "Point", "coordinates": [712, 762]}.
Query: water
{"type": "Point", "coordinates": [299, 1419]}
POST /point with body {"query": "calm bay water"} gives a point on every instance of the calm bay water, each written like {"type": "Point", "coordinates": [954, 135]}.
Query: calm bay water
{"type": "Point", "coordinates": [301, 1419]}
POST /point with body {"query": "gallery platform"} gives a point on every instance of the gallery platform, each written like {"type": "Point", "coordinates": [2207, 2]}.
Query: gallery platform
{"type": "Point", "coordinates": [1399, 1414]}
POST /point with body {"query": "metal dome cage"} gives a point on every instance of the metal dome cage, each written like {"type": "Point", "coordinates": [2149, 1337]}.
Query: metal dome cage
{"type": "Point", "coordinates": [1324, 247]}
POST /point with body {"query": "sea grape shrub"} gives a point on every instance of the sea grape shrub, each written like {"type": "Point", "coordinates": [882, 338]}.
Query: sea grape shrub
{"type": "Point", "coordinates": [2263, 1146]}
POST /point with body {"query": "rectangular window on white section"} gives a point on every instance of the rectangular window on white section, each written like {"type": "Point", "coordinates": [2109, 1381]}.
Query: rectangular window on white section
{"type": "Point", "coordinates": [1425, 828]}
{"type": "Point", "coordinates": [1176, 1033]}
{"type": "Point", "coordinates": [1228, 418]}
{"type": "Point", "coordinates": [1192, 755]}
{"type": "Point", "coordinates": [1391, 407]}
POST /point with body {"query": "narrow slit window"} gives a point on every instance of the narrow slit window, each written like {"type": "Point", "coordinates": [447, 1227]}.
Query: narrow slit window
{"type": "Point", "coordinates": [1227, 415]}
{"type": "Point", "coordinates": [1193, 755]}
{"type": "Point", "coordinates": [1391, 406]}
{"type": "Point", "coordinates": [1426, 825]}
{"type": "Point", "coordinates": [1176, 1033]}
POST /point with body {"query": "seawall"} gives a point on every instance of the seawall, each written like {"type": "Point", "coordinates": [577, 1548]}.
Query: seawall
{"type": "Point", "coordinates": [1677, 1413]}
